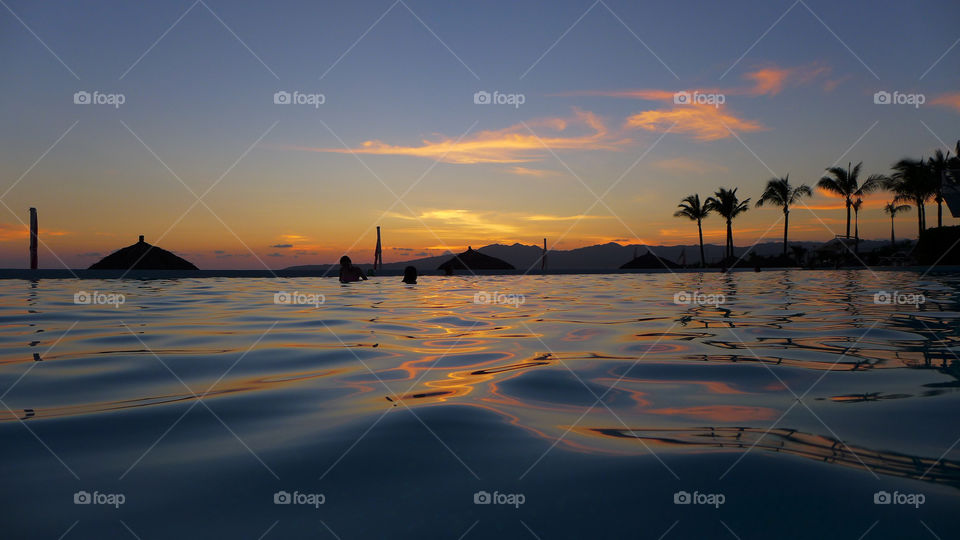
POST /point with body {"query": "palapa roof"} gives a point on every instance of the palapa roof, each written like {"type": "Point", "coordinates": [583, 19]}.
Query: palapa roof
{"type": "Point", "coordinates": [474, 260]}
{"type": "Point", "coordinates": [142, 256]}
{"type": "Point", "coordinates": [649, 260]}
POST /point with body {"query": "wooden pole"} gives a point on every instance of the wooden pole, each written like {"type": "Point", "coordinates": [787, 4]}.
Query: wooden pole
{"type": "Point", "coordinates": [543, 260]}
{"type": "Point", "coordinates": [33, 238]}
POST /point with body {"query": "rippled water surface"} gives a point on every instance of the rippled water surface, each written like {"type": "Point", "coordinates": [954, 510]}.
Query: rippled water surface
{"type": "Point", "coordinates": [596, 399]}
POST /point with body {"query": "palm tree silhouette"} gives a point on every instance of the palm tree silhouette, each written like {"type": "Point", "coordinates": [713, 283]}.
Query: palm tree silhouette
{"type": "Point", "coordinates": [846, 183]}
{"type": "Point", "coordinates": [939, 165]}
{"type": "Point", "coordinates": [892, 209]}
{"type": "Point", "coordinates": [691, 208]}
{"type": "Point", "coordinates": [780, 193]}
{"type": "Point", "coordinates": [725, 203]}
{"type": "Point", "coordinates": [912, 182]}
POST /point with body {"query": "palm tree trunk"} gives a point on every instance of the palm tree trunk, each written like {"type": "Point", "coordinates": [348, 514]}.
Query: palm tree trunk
{"type": "Point", "coordinates": [939, 211]}
{"type": "Point", "coordinates": [893, 241]}
{"type": "Point", "coordinates": [703, 262]}
{"type": "Point", "coordinates": [786, 222]}
{"type": "Point", "coordinates": [848, 217]}
{"type": "Point", "coordinates": [729, 238]}
{"type": "Point", "coordinates": [856, 230]}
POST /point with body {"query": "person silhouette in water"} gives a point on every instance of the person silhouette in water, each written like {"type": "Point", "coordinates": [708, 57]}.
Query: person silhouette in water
{"type": "Point", "coordinates": [349, 272]}
{"type": "Point", "coordinates": [410, 275]}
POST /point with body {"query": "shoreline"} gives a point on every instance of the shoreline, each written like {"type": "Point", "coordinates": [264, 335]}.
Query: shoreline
{"type": "Point", "coordinates": [34, 275]}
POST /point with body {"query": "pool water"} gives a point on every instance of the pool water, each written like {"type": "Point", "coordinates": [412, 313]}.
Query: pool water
{"type": "Point", "coordinates": [788, 404]}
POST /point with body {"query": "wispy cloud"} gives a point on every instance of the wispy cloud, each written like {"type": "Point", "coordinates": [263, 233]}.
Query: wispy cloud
{"type": "Point", "coordinates": [526, 171]}
{"type": "Point", "coordinates": [702, 122]}
{"type": "Point", "coordinates": [514, 144]}
{"type": "Point", "coordinates": [951, 100]}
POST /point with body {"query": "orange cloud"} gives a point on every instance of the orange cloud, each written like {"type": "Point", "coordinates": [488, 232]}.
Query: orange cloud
{"type": "Point", "coordinates": [515, 144]}
{"type": "Point", "coordinates": [702, 122]}
{"type": "Point", "coordinates": [948, 100]}
{"type": "Point", "coordinates": [525, 171]}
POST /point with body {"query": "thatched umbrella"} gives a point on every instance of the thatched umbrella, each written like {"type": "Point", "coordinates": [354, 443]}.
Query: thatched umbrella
{"type": "Point", "coordinates": [142, 256]}
{"type": "Point", "coordinates": [474, 260]}
{"type": "Point", "coordinates": [649, 260]}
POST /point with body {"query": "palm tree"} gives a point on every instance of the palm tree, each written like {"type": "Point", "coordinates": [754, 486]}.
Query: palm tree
{"type": "Point", "coordinates": [691, 208]}
{"type": "Point", "coordinates": [939, 164]}
{"type": "Point", "coordinates": [780, 193]}
{"type": "Point", "coordinates": [846, 183]}
{"type": "Point", "coordinates": [856, 220]}
{"type": "Point", "coordinates": [912, 182]}
{"type": "Point", "coordinates": [892, 209]}
{"type": "Point", "coordinates": [726, 203]}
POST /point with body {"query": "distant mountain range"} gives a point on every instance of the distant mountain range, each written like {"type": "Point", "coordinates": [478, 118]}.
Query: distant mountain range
{"type": "Point", "coordinates": [598, 257]}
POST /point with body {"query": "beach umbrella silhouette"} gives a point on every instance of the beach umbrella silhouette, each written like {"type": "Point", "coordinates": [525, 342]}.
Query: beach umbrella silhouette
{"type": "Point", "coordinates": [474, 260]}
{"type": "Point", "coordinates": [142, 256]}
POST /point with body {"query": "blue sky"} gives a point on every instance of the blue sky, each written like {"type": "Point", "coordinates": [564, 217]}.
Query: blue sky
{"type": "Point", "coordinates": [199, 95]}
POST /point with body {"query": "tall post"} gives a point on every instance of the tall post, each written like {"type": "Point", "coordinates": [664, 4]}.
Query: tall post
{"type": "Point", "coordinates": [378, 253]}
{"type": "Point", "coordinates": [33, 238]}
{"type": "Point", "coordinates": [543, 259]}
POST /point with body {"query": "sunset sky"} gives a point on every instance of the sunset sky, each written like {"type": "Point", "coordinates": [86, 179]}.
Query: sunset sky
{"type": "Point", "coordinates": [300, 184]}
